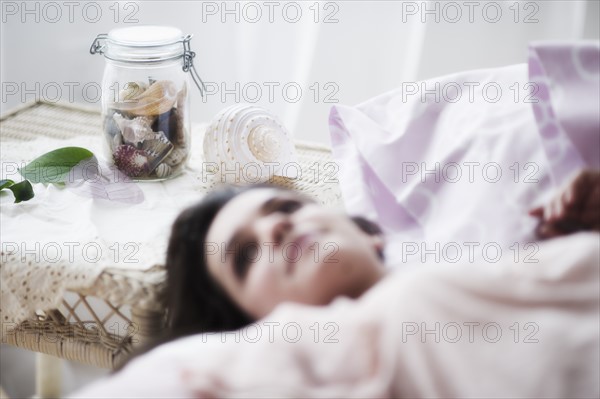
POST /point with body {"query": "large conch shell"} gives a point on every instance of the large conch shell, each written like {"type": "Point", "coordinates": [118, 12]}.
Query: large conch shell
{"type": "Point", "coordinates": [155, 100]}
{"type": "Point", "coordinates": [247, 144]}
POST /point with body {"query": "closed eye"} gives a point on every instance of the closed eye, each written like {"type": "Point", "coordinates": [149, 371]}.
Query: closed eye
{"type": "Point", "coordinates": [245, 254]}
{"type": "Point", "coordinates": [288, 206]}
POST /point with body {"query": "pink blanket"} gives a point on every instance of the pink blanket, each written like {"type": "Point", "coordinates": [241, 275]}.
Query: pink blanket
{"type": "Point", "coordinates": [488, 330]}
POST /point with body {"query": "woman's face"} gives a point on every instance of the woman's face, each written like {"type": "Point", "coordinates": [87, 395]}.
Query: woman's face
{"type": "Point", "coordinates": [268, 246]}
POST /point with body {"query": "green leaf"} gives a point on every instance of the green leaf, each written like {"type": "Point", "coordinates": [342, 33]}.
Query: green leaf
{"type": "Point", "coordinates": [54, 166]}
{"type": "Point", "coordinates": [22, 191]}
{"type": "Point", "coordinates": [5, 183]}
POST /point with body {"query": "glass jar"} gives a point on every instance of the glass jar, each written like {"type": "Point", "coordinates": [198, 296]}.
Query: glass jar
{"type": "Point", "coordinates": [145, 101]}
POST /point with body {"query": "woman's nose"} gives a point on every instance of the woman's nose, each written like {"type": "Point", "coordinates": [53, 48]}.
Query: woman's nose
{"type": "Point", "coordinates": [273, 228]}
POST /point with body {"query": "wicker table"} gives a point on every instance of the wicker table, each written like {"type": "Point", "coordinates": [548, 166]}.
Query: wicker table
{"type": "Point", "coordinates": [81, 327]}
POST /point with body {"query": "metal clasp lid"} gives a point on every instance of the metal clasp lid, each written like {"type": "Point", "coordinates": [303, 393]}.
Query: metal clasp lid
{"type": "Point", "coordinates": [97, 47]}
{"type": "Point", "coordinates": [188, 64]}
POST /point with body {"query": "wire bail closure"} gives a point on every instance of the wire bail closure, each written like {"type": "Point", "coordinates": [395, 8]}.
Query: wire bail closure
{"type": "Point", "coordinates": [98, 47]}
{"type": "Point", "coordinates": [188, 64]}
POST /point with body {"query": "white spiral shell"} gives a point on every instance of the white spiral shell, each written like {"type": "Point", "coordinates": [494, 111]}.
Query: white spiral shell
{"type": "Point", "coordinates": [247, 144]}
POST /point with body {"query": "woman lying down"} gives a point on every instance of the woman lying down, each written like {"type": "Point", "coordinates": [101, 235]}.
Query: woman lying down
{"type": "Point", "coordinates": [333, 323]}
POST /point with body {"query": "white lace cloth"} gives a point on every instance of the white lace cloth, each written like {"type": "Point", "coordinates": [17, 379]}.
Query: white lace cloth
{"type": "Point", "coordinates": [61, 241]}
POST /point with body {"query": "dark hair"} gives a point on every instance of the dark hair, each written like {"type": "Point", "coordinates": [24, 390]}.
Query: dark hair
{"type": "Point", "coordinates": [196, 302]}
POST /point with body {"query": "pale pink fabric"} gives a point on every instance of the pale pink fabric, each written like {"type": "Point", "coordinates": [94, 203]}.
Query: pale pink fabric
{"type": "Point", "coordinates": [567, 79]}
{"type": "Point", "coordinates": [524, 330]}
{"type": "Point", "coordinates": [502, 141]}
{"type": "Point", "coordinates": [386, 146]}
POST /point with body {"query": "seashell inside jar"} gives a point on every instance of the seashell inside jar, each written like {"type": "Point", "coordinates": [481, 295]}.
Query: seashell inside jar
{"type": "Point", "coordinates": [146, 131]}
{"type": "Point", "coordinates": [145, 100]}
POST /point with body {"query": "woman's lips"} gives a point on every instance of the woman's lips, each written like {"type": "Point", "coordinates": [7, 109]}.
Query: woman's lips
{"type": "Point", "coordinates": [304, 241]}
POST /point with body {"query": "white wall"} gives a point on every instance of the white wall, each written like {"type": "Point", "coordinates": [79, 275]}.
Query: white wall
{"type": "Point", "coordinates": [370, 47]}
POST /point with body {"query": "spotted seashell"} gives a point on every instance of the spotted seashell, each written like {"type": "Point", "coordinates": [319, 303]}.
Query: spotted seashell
{"type": "Point", "coordinates": [264, 143]}
{"type": "Point", "coordinates": [157, 99]}
{"type": "Point", "coordinates": [131, 90]}
{"type": "Point", "coordinates": [176, 157]}
{"type": "Point", "coordinates": [136, 130]}
{"type": "Point", "coordinates": [131, 161]}
{"type": "Point", "coordinates": [163, 170]}
{"type": "Point", "coordinates": [249, 140]}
